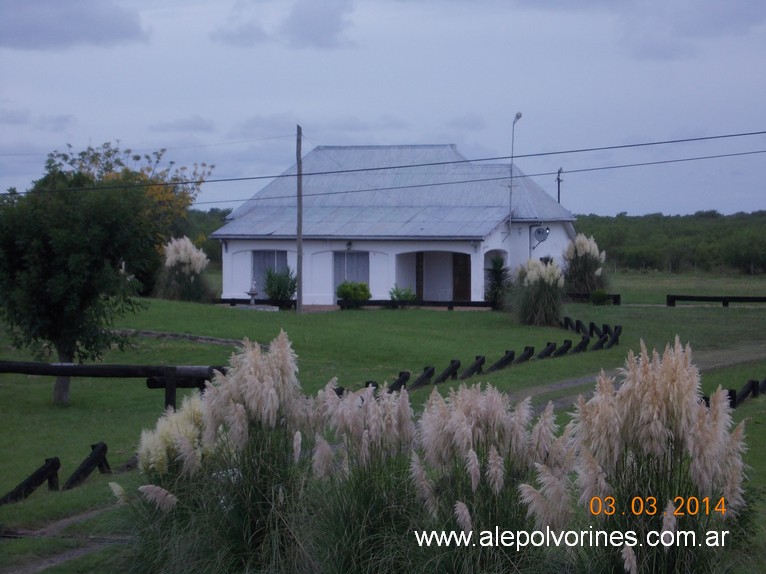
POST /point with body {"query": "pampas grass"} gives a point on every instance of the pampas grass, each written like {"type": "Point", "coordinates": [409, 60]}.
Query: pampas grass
{"type": "Point", "coordinates": [650, 435]}
{"type": "Point", "coordinates": [583, 264]}
{"type": "Point", "coordinates": [265, 478]}
{"type": "Point", "coordinates": [536, 296]}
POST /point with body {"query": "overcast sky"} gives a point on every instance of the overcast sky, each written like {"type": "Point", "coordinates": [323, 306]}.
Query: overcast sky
{"type": "Point", "coordinates": [226, 81]}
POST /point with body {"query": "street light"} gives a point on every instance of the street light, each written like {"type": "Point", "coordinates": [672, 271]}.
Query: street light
{"type": "Point", "coordinates": [510, 198]}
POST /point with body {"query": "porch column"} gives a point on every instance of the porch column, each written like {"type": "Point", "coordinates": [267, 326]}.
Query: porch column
{"type": "Point", "coordinates": [477, 274]}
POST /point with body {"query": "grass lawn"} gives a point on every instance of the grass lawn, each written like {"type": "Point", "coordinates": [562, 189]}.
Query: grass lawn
{"type": "Point", "coordinates": [354, 346]}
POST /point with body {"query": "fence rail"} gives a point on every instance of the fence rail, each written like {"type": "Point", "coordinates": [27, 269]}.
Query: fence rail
{"type": "Point", "coordinates": [165, 377]}
{"type": "Point", "coordinates": [670, 300]}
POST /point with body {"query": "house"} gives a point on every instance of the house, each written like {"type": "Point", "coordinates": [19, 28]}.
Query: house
{"type": "Point", "coordinates": [416, 216]}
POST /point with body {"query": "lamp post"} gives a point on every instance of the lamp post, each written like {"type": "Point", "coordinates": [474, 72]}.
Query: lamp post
{"type": "Point", "coordinates": [510, 196]}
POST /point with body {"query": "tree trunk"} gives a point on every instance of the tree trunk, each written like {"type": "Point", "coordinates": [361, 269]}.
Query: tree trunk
{"type": "Point", "coordinates": [61, 387]}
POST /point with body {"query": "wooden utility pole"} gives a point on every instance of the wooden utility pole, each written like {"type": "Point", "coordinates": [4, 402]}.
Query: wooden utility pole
{"type": "Point", "coordinates": [558, 181]}
{"type": "Point", "coordinates": [299, 271]}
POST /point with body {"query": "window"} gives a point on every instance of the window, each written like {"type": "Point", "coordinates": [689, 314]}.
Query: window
{"type": "Point", "coordinates": [351, 266]}
{"type": "Point", "coordinates": [265, 260]}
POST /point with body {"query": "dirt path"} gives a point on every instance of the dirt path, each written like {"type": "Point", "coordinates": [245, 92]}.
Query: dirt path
{"type": "Point", "coordinates": [56, 530]}
{"type": "Point", "coordinates": [704, 360]}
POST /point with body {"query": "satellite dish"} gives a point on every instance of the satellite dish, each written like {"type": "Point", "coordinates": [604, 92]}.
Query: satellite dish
{"type": "Point", "coordinates": [541, 233]}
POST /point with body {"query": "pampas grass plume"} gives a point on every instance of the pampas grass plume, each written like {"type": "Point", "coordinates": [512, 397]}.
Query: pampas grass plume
{"type": "Point", "coordinates": [495, 471]}
{"type": "Point", "coordinates": [161, 498]}
{"type": "Point", "coordinates": [463, 517]}
{"type": "Point", "coordinates": [321, 461]}
{"type": "Point", "coordinates": [473, 469]}
{"type": "Point", "coordinates": [119, 493]}
{"type": "Point", "coordinates": [629, 559]}
{"type": "Point", "coordinates": [297, 438]}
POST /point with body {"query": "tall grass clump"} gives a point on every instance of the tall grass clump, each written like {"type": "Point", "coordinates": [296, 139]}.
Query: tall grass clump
{"type": "Point", "coordinates": [498, 278]}
{"type": "Point", "coordinates": [536, 296]}
{"type": "Point", "coordinates": [474, 448]}
{"type": "Point", "coordinates": [280, 287]}
{"type": "Point", "coordinates": [366, 507]}
{"type": "Point", "coordinates": [232, 463]}
{"type": "Point", "coordinates": [583, 266]}
{"type": "Point", "coordinates": [650, 456]}
{"type": "Point", "coordinates": [181, 278]}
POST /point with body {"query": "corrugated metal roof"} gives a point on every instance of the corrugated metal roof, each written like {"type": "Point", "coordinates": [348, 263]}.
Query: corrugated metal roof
{"type": "Point", "coordinates": [422, 191]}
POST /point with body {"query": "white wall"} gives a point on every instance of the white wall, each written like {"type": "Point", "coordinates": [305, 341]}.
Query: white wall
{"type": "Point", "coordinates": [391, 262]}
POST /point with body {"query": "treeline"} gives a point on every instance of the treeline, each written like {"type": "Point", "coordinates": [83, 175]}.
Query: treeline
{"type": "Point", "coordinates": [705, 241]}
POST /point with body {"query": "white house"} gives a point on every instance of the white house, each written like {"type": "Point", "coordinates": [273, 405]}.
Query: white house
{"type": "Point", "coordinates": [417, 216]}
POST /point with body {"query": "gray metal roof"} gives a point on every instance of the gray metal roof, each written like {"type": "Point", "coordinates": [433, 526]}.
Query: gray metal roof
{"type": "Point", "coordinates": [396, 192]}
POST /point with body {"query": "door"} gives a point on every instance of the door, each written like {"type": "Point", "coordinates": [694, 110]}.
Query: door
{"type": "Point", "coordinates": [461, 277]}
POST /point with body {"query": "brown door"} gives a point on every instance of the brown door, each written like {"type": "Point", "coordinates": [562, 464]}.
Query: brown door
{"type": "Point", "coordinates": [461, 277]}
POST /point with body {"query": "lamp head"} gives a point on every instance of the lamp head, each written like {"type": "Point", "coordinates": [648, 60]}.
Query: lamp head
{"type": "Point", "coordinates": [517, 118]}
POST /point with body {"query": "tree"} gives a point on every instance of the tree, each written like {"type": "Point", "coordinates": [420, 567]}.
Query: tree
{"type": "Point", "coordinates": [72, 251]}
{"type": "Point", "coordinates": [171, 190]}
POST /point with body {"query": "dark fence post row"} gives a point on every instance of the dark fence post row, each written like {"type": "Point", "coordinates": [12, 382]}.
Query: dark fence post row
{"type": "Point", "coordinates": [606, 335]}
{"type": "Point", "coordinates": [49, 472]}
{"type": "Point", "coordinates": [752, 388]}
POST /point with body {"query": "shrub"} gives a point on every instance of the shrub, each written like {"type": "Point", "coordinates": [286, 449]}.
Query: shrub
{"type": "Point", "coordinates": [352, 293]}
{"type": "Point", "coordinates": [536, 297]}
{"type": "Point", "coordinates": [182, 277]}
{"type": "Point", "coordinates": [280, 287]}
{"type": "Point", "coordinates": [583, 266]}
{"type": "Point", "coordinates": [401, 294]}
{"type": "Point", "coordinates": [498, 278]}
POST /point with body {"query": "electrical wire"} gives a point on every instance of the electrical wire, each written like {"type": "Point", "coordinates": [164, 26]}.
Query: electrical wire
{"type": "Point", "coordinates": [452, 162]}
{"type": "Point", "coordinates": [488, 179]}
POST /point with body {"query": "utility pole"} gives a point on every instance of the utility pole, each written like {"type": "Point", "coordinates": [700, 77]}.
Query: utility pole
{"type": "Point", "coordinates": [299, 271]}
{"type": "Point", "coordinates": [558, 181]}
{"type": "Point", "coordinates": [516, 118]}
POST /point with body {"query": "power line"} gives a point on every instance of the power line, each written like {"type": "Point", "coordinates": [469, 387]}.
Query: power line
{"type": "Point", "coordinates": [488, 179]}
{"type": "Point", "coordinates": [451, 162]}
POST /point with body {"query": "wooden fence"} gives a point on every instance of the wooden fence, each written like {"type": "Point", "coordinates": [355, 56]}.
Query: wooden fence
{"type": "Point", "coordinates": [165, 377]}
{"type": "Point", "coordinates": [670, 300]}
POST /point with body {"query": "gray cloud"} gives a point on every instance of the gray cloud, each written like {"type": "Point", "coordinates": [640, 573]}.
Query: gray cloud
{"type": "Point", "coordinates": [306, 24]}
{"type": "Point", "coordinates": [46, 122]}
{"type": "Point", "coordinates": [183, 125]}
{"type": "Point", "coordinates": [467, 122]}
{"type": "Point", "coordinates": [55, 24]}
{"type": "Point", "coordinates": [313, 24]}
{"type": "Point", "coordinates": [244, 35]}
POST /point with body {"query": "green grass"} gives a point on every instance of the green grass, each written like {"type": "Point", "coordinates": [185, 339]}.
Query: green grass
{"type": "Point", "coordinates": [650, 288]}
{"type": "Point", "coordinates": [355, 346]}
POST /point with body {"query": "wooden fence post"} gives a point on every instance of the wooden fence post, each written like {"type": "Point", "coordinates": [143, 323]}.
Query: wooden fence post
{"type": "Point", "coordinates": [170, 388]}
{"type": "Point", "coordinates": [48, 471]}
{"type": "Point", "coordinates": [96, 458]}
